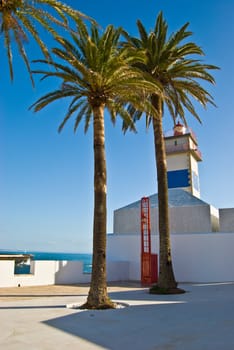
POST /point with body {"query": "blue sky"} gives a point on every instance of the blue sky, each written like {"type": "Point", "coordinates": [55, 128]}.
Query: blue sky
{"type": "Point", "coordinates": [46, 178]}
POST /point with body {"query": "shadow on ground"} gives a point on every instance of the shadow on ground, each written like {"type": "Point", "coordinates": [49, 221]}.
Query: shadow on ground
{"type": "Point", "coordinates": [189, 321]}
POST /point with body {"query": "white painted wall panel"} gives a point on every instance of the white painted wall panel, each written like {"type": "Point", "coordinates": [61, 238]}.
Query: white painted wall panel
{"type": "Point", "coordinates": [177, 162]}
{"type": "Point", "coordinates": [226, 217]}
{"type": "Point", "coordinates": [44, 273]}
{"type": "Point", "coordinates": [202, 257]}
{"type": "Point", "coordinates": [182, 219]}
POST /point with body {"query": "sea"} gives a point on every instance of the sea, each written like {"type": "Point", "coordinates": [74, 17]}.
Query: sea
{"type": "Point", "coordinates": [41, 255]}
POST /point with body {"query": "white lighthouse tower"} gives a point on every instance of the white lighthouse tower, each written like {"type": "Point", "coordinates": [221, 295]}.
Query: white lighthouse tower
{"type": "Point", "coordinates": [182, 159]}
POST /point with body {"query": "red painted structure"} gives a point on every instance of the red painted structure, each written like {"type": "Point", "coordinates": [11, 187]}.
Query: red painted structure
{"type": "Point", "coordinates": [149, 263]}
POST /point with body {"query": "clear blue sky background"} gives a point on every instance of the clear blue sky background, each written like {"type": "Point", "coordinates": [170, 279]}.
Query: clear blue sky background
{"type": "Point", "coordinates": [46, 178]}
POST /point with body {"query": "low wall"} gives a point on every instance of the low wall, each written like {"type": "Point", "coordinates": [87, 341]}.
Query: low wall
{"type": "Point", "coordinates": [43, 273]}
{"type": "Point", "coordinates": [204, 258]}
{"type": "Point", "coordinates": [198, 257]}
{"type": "Point", "coordinates": [71, 272]}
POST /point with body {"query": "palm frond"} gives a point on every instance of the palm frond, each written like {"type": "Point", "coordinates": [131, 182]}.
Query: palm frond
{"type": "Point", "coordinates": [23, 17]}
{"type": "Point", "coordinates": [142, 32]}
{"type": "Point", "coordinates": [23, 55]}
{"type": "Point", "coordinates": [7, 43]}
{"type": "Point", "coordinates": [170, 62]}
{"type": "Point", "coordinates": [49, 98]}
{"type": "Point", "coordinates": [88, 117]}
{"type": "Point", "coordinates": [176, 38]}
{"type": "Point", "coordinates": [72, 109]}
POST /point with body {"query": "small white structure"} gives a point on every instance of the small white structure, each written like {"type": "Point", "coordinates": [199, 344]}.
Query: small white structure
{"type": "Point", "coordinates": [41, 273]}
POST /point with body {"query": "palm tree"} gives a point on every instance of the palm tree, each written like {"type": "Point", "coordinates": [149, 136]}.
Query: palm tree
{"type": "Point", "coordinates": [19, 20]}
{"type": "Point", "coordinates": [96, 75]}
{"type": "Point", "coordinates": [176, 66]}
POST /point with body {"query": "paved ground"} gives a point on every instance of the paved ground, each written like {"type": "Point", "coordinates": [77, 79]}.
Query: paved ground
{"type": "Point", "coordinates": [36, 318]}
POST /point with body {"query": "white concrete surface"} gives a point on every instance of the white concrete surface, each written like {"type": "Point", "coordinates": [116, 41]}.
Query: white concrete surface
{"type": "Point", "coordinates": [201, 319]}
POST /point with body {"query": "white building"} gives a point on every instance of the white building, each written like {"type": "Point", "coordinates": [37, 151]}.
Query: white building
{"type": "Point", "coordinates": [202, 237]}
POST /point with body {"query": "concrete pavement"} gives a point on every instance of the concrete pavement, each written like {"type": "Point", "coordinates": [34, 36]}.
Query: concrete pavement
{"type": "Point", "coordinates": [201, 319]}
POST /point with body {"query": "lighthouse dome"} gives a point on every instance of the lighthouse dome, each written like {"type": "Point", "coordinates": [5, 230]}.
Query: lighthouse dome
{"type": "Point", "coordinates": [179, 129]}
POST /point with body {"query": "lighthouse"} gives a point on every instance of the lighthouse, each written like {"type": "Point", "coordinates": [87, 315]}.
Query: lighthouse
{"type": "Point", "coordinates": [183, 156]}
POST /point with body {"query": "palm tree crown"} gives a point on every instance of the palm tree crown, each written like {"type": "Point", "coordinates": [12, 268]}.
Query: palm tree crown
{"type": "Point", "coordinates": [96, 73]}
{"type": "Point", "coordinates": [171, 63]}
{"type": "Point", "coordinates": [19, 19]}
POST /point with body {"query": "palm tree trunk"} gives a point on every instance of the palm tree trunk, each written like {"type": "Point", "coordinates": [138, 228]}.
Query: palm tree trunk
{"type": "Point", "coordinates": [98, 297]}
{"type": "Point", "coordinates": [166, 278]}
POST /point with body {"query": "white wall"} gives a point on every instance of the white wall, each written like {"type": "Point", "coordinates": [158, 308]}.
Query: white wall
{"type": "Point", "coordinates": [43, 273]}
{"type": "Point", "coordinates": [201, 257]}
{"type": "Point", "coordinates": [215, 224]}
{"type": "Point", "coordinates": [127, 220]}
{"type": "Point", "coordinates": [177, 161]}
{"type": "Point", "coordinates": [198, 218]}
{"type": "Point", "coordinates": [190, 219]}
{"type": "Point", "coordinates": [204, 257]}
{"type": "Point", "coordinates": [118, 270]}
{"type": "Point", "coordinates": [71, 272]}
{"type": "Point", "coordinates": [121, 247]}
{"type": "Point", "coordinates": [226, 217]}
{"type": "Point", "coordinates": [6, 273]}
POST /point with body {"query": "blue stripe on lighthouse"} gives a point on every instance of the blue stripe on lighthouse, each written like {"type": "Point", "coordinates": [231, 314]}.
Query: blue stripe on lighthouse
{"type": "Point", "coordinates": [178, 178]}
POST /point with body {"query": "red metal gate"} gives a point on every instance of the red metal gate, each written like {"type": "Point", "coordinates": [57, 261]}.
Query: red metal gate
{"type": "Point", "coordinates": [149, 268]}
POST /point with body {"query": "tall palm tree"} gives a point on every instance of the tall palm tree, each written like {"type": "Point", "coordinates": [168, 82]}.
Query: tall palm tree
{"type": "Point", "coordinates": [19, 19]}
{"type": "Point", "coordinates": [96, 75]}
{"type": "Point", "coordinates": [177, 67]}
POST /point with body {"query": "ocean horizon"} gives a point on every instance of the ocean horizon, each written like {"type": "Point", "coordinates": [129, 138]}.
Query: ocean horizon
{"type": "Point", "coordinates": [86, 258]}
